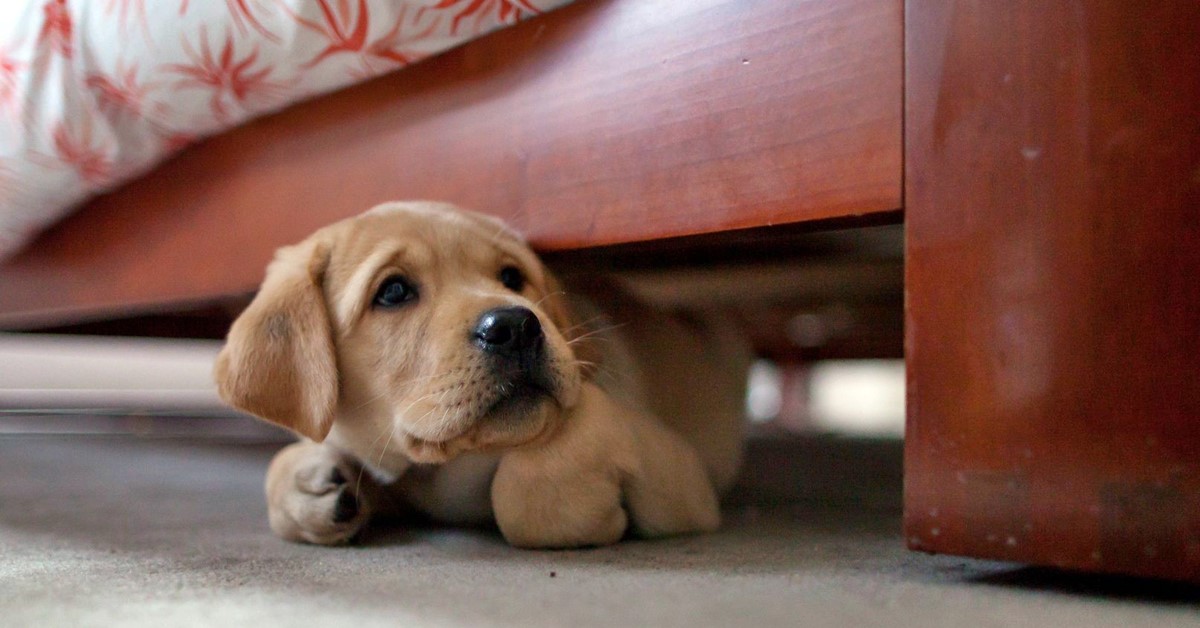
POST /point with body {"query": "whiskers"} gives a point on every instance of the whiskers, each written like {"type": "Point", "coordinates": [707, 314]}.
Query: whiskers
{"type": "Point", "coordinates": [390, 432]}
{"type": "Point", "coordinates": [595, 334]}
{"type": "Point", "coordinates": [566, 332]}
{"type": "Point", "coordinates": [406, 382]}
{"type": "Point", "coordinates": [590, 333]}
{"type": "Point", "coordinates": [595, 370]}
{"type": "Point", "coordinates": [387, 443]}
{"type": "Point", "coordinates": [547, 296]}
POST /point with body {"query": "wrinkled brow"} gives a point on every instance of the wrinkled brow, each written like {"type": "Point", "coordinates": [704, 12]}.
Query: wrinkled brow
{"type": "Point", "coordinates": [516, 249]}
{"type": "Point", "coordinates": [353, 300]}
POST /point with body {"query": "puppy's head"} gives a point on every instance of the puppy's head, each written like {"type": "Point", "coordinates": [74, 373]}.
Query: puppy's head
{"type": "Point", "coordinates": [421, 327]}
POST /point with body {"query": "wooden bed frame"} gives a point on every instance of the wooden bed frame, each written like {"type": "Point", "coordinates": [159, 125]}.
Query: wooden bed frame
{"type": "Point", "coordinates": [606, 121]}
{"type": "Point", "coordinates": [1045, 159]}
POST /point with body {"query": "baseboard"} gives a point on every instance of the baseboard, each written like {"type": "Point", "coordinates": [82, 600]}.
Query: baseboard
{"type": "Point", "coordinates": [41, 373]}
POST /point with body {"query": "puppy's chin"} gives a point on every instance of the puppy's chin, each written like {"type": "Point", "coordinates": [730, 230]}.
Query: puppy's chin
{"type": "Point", "coordinates": [515, 420]}
{"type": "Point", "coordinates": [511, 409]}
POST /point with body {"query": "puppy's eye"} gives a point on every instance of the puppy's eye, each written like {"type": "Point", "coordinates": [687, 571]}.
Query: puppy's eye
{"type": "Point", "coordinates": [512, 278]}
{"type": "Point", "coordinates": [394, 292]}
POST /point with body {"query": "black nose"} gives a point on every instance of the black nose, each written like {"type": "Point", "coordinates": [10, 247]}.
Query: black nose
{"type": "Point", "coordinates": [508, 330]}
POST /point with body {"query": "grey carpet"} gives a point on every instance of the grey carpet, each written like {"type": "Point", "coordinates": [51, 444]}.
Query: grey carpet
{"type": "Point", "coordinates": [120, 530]}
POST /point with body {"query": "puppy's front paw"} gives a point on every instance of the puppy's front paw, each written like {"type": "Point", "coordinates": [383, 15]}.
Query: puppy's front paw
{"type": "Point", "coordinates": [536, 508]}
{"type": "Point", "coordinates": [316, 495]}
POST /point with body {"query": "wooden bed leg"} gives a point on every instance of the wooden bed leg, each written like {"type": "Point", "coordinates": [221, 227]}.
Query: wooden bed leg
{"type": "Point", "coordinates": [1053, 283]}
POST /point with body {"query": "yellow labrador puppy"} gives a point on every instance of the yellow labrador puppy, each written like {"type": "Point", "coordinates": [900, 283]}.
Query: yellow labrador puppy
{"type": "Point", "coordinates": [428, 360]}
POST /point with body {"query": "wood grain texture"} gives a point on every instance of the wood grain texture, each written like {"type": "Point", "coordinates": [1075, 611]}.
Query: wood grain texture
{"type": "Point", "coordinates": [608, 121]}
{"type": "Point", "coordinates": [1053, 337]}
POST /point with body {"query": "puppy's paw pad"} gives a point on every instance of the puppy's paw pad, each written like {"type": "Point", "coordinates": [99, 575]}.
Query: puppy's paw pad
{"type": "Point", "coordinates": [323, 505]}
{"type": "Point", "coordinates": [323, 477]}
{"type": "Point", "coordinates": [345, 508]}
{"type": "Point", "coordinates": [336, 477]}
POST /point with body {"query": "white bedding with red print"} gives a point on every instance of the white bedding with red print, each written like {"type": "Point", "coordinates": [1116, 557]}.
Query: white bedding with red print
{"type": "Point", "coordinates": [92, 93]}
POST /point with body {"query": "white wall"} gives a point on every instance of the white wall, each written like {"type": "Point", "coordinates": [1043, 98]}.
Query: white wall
{"type": "Point", "coordinates": [45, 372]}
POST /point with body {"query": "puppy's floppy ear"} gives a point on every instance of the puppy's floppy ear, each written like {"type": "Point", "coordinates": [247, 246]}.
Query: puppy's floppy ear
{"type": "Point", "coordinates": [278, 362]}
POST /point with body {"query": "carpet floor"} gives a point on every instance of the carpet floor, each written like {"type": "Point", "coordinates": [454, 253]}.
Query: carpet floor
{"type": "Point", "coordinates": [102, 530]}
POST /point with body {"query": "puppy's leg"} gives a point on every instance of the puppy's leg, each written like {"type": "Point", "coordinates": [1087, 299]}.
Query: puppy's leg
{"type": "Point", "coordinates": [565, 490]}
{"type": "Point", "coordinates": [668, 491]}
{"type": "Point", "coordinates": [606, 468]}
{"type": "Point", "coordinates": [317, 494]}
{"type": "Point", "coordinates": [540, 503]}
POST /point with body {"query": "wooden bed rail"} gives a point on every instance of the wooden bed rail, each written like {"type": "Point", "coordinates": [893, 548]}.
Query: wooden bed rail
{"type": "Point", "coordinates": [608, 121]}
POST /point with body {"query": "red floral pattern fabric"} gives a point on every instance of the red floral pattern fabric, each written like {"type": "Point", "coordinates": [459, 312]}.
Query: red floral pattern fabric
{"type": "Point", "coordinates": [95, 92]}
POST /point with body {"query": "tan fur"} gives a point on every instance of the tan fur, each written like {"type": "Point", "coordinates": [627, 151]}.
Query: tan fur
{"type": "Point", "coordinates": [279, 361]}
{"type": "Point", "coordinates": [377, 391]}
{"type": "Point", "coordinates": [607, 466]}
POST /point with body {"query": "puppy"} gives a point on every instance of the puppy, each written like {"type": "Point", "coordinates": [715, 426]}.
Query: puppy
{"type": "Point", "coordinates": [431, 363]}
